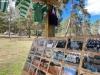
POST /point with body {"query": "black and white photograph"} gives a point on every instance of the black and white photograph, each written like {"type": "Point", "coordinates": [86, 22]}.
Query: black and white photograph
{"type": "Point", "coordinates": [36, 61]}
{"type": "Point", "coordinates": [39, 72]}
{"type": "Point", "coordinates": [26, 67]}
{"type": "Point", "coordinates": [33, 49]}
{"type": "Point", "coordinates": [35, 42]}
{"type": "Point", "coordinates": [50, 43]}
{"type": "Point", "coordinates": [72, 58]}
{"type": "Point", "coordinates": [58, 55]}
{"type": "Point", "coordinates": [92, 44]}
{"type": "Point", "coordinates": [29, 59]}
{"type": "Point", "coordinates": [54, 68]}
{"type": "Point", "coordinates": [69, 71]}
{"type": "Point", "coordinates": [47, 53]}
{"type": "Point", "coordinates": [91, 62]}
{"type": "Point", "coordinates": [39, 51]}
{"type": "Point", "coordinates": [32, 70]}
{"type": "Point", "coordinates": [42, 42]}
{"type": "Point", "coordinates": [60, 44]}
{"type": "Point", "coordinates": [75, 44]}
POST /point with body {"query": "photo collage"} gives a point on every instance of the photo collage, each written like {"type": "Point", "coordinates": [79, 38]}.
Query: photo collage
{"type": "Point", "coordinates": [50, 57]}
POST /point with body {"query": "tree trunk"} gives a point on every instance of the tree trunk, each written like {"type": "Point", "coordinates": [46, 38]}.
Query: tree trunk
{"type": "Point", "coordinates": [29, 32]}
{"type": "Point", "coordinates": [9, 26]}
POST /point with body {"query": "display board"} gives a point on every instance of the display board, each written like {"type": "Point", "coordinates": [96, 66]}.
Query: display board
{"type": "Point", "coordinates": [64, 56]}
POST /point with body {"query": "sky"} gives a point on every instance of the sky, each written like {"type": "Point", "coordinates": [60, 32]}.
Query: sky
{"type": "Point", "coordinates": [93, 7]}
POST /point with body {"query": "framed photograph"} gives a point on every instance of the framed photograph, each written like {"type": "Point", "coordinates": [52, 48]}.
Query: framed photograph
{"type": "Point", "coordinates": [39, 72]}
{"type": "Point", "coordinates": [32, 70]}
{"type": "Point", "coordinates": [91, 62]}
{"type": "Point", "coordinates": [85, 73]}
{"type": "Point", "coordinates": [75, 44]}
{"type": "Point", "coordinates": [33, 49]}
{"type": "Point", "coordinates": [39, 51]}
{"type": "Point", "coordinates": [92, 44]}
{"type": "Point", "coordinates": [36, 61]}
{"type": "Point", "coordinates": [72, 58]}
{"type": "Point", "coordinates": [29, 59]}
{"type": "Point", "coordinates": [47, 53]}
{"type": "Point", "coordinates": [69, 71]}
{"type": "Point", "coordinates": [42, 42]}
{"type": "Point", "coordinates": [60, 44]}
{"type": "Point", "coordinates": [58, 55]}
{"type": "Point", "coordinates": [54, 68]}
{"type": "Point", "coordinates": [44, 64]}
{"type": "Point", "coordinates": [35, 42]}
{"type": "Point", "coordinates": [26, 67]}
{"type": "Point", "coordinates": [50, 43]}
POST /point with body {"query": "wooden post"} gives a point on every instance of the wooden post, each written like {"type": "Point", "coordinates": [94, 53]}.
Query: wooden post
{"type": "Point", "coordinates": [49, 29]}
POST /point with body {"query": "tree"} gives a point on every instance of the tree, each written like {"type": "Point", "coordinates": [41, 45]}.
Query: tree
{"type": "Point", "coordinates": [95, 27]}
{"type": "Point", "coordinates": [30, 21]}
{"type": "Point", "coordinates": [3, 22]}
{"type": "Point", "coordinates": [76, 19]}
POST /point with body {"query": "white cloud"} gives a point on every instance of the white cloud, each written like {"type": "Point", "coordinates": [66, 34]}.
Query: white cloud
{"type": "Point", "coordinates": [93, 7]}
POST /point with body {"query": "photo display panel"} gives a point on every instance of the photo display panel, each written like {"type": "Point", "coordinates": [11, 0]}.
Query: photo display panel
{"type": "Point", "coordinates": [64, 56]}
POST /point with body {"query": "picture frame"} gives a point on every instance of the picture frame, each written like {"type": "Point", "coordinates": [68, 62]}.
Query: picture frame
{"type": "Point", "coordinates": [92, 44]}
{"type": "Point", "coordinates": [75, 44]}
{"type": "Point", "coordinates": [91, 62]}
{"type": "Point", "coordinates": [69, 71]}
{"type": "Point", "coordinates": [58, 55]}
{"type": "Point", "coordinates": [54, 68]}
{"type": "Point", "coordinates": [32, 70]}
{"type": "Point", "coordinates": [36, 61]}
{"type": "Point", "coordinates": [72, 58]}
{"type": "Point", "coordinates": [47, 53]}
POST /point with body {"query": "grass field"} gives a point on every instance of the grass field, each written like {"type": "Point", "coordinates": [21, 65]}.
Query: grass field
{"type": "Point", "coordinates": [13, 54]}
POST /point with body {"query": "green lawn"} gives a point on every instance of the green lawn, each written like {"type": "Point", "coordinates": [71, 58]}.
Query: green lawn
{"type": "Point", "coordinates": [13, 55]}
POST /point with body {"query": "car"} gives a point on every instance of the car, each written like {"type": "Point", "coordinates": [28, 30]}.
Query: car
{"type": "Point", "coordinates": [7, 33]}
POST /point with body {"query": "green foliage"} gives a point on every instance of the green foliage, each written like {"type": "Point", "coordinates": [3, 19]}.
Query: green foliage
{"type": "Point", "coordinates": [3, 22]}
{"type": "Point", "coordinates": [95, 27]}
